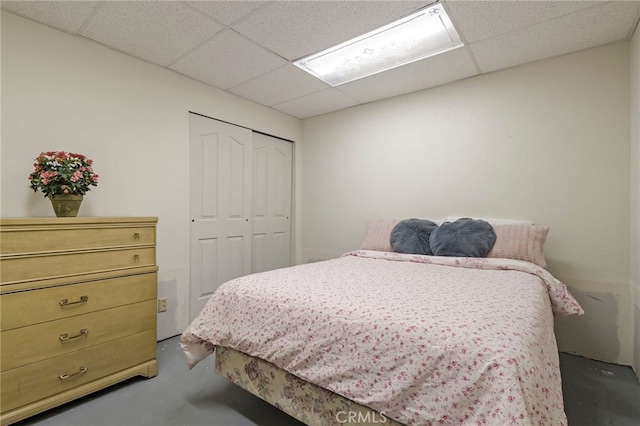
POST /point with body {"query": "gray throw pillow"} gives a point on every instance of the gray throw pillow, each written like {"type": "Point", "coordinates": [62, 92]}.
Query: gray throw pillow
{"type": "Point", "coordinates": [465, 238]}
{"type": "Point", "coordinates": [412, 236]}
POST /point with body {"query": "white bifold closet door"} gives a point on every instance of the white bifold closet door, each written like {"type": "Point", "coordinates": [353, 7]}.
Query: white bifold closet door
{"type": "Point", "coordinates": [240, 205]}
{"type": "Point", "coordinates": [271, 207]}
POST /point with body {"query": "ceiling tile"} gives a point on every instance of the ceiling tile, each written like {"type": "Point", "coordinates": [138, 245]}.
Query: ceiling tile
{"type": "Point", "coordinates": [227, 60]}
{"type": "Point", "coordinates": [479, 20]}
{"type": "Point", "coordinates": [159, 32]}
{"type": "Point", "coordinates": [589, 28]}
{"type": "Point", "coordinates": [296, 29]}
{"type": "Point", "coordinates": [317, 103]}
{"type": "Point", "coordinates": [434, 71]}
{"type": "Point", "coordinates": [283, 84]}
{"type": "Point", "coordinates": [63, 15]}
{"type": "Point", "coordinates": [226, 12]}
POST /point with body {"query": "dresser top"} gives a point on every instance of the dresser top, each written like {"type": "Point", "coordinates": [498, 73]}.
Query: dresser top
{"type": "Point", "coordinates": [13, 221]}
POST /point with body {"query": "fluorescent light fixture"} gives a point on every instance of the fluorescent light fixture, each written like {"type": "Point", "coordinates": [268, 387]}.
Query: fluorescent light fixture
{"type": "Point", "coordinates": [425, 33]}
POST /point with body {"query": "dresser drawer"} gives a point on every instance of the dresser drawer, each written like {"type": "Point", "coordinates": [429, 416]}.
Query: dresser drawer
{"type": "Point", "coordinates": [37, 306]}
{"type": "Point", "coordinates": [33, 382]}
{"type": "Point", "coordinates": [51, 239]}
{"type": "Point", "coordinates": [24, 268]}
{"type": "Point", "coordinates": [26, 345]}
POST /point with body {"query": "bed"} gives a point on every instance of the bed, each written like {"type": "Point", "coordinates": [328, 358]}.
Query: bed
{"type": "Point", "coordinates": [376, 337]}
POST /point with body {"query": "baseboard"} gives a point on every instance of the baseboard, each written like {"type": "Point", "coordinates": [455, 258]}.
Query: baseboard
{"type": "Point", "coordinates": [635, 308]}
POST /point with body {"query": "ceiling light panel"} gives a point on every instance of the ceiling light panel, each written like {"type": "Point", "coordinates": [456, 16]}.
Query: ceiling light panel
{"type": "Point", "coordinates": [423, 34]}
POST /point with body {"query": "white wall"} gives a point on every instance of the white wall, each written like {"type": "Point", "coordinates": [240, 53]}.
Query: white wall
{"type": "Point", "coordinates": [635, 194]}
{"type": "Point", "coordinates": [61, 92]}
{"type": "Point", "coordinates": [547, 142]}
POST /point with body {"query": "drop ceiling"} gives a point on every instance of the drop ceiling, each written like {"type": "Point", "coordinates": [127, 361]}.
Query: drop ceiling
{"type": "Point", "coordinates": [246, 47]}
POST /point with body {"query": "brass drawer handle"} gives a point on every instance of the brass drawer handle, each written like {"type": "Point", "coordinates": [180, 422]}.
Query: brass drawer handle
{"type": "Point", "coordinates": [65, 302]}
{"type": "Point", "coordinates": [65, 376]}
{"type": "Point", "coordinates": [65, 336]}
{"type": "Point", "coordinates": [136, 236]}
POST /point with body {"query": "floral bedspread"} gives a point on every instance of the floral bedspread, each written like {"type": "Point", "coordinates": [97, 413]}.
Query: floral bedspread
{"type": "Point", "coordinates": [423, 339]}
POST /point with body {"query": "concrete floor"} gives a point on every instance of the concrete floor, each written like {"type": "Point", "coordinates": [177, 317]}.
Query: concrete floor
{"type": "Point", "coordinates": [596, 393]}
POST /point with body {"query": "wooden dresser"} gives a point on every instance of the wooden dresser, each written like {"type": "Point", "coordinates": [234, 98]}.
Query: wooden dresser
{"type": "Point", "coordinates": [78, 308]}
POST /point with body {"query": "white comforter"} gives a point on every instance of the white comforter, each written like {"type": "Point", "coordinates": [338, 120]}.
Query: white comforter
{"type": "Point", "coordinates": [423, 339]}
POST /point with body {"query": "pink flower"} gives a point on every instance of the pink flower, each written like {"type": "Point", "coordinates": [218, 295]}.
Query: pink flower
{"type": "Point", "coordinates": [76, 176]}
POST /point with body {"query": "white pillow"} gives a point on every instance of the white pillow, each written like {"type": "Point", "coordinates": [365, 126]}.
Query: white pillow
{"type": "Point", "coordinates": [491, 221]}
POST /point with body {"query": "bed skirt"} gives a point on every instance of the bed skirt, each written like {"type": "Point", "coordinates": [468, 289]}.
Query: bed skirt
{"type": "Point", "coordinates": [302, 400]}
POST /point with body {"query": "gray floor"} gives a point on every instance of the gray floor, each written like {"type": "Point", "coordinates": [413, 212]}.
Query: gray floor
{"type": "Point", "coordinates": [596, 393]}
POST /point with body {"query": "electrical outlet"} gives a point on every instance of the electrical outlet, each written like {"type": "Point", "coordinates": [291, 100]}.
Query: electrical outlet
{"type": "Point", "coordinates": [162, 304]}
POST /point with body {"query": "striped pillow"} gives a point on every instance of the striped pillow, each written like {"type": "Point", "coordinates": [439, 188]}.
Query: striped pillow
{"type": "Point", "coordinates": [378, 233]}
{"type": "Point", "coordinates": [520, 242]}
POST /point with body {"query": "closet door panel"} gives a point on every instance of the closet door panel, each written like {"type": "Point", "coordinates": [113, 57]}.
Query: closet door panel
{"type": "Point", "coordinates": [221, 157]}
{"type": "Point", "coordinates": [272, 188]}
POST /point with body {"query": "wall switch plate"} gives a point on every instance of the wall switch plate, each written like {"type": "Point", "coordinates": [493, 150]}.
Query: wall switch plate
{"type": "Point", "coordinates": [162, 304]}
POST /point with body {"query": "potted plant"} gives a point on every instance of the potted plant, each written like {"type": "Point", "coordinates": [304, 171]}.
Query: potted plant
{"type": "Point", "coordinates": [64, 178]}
